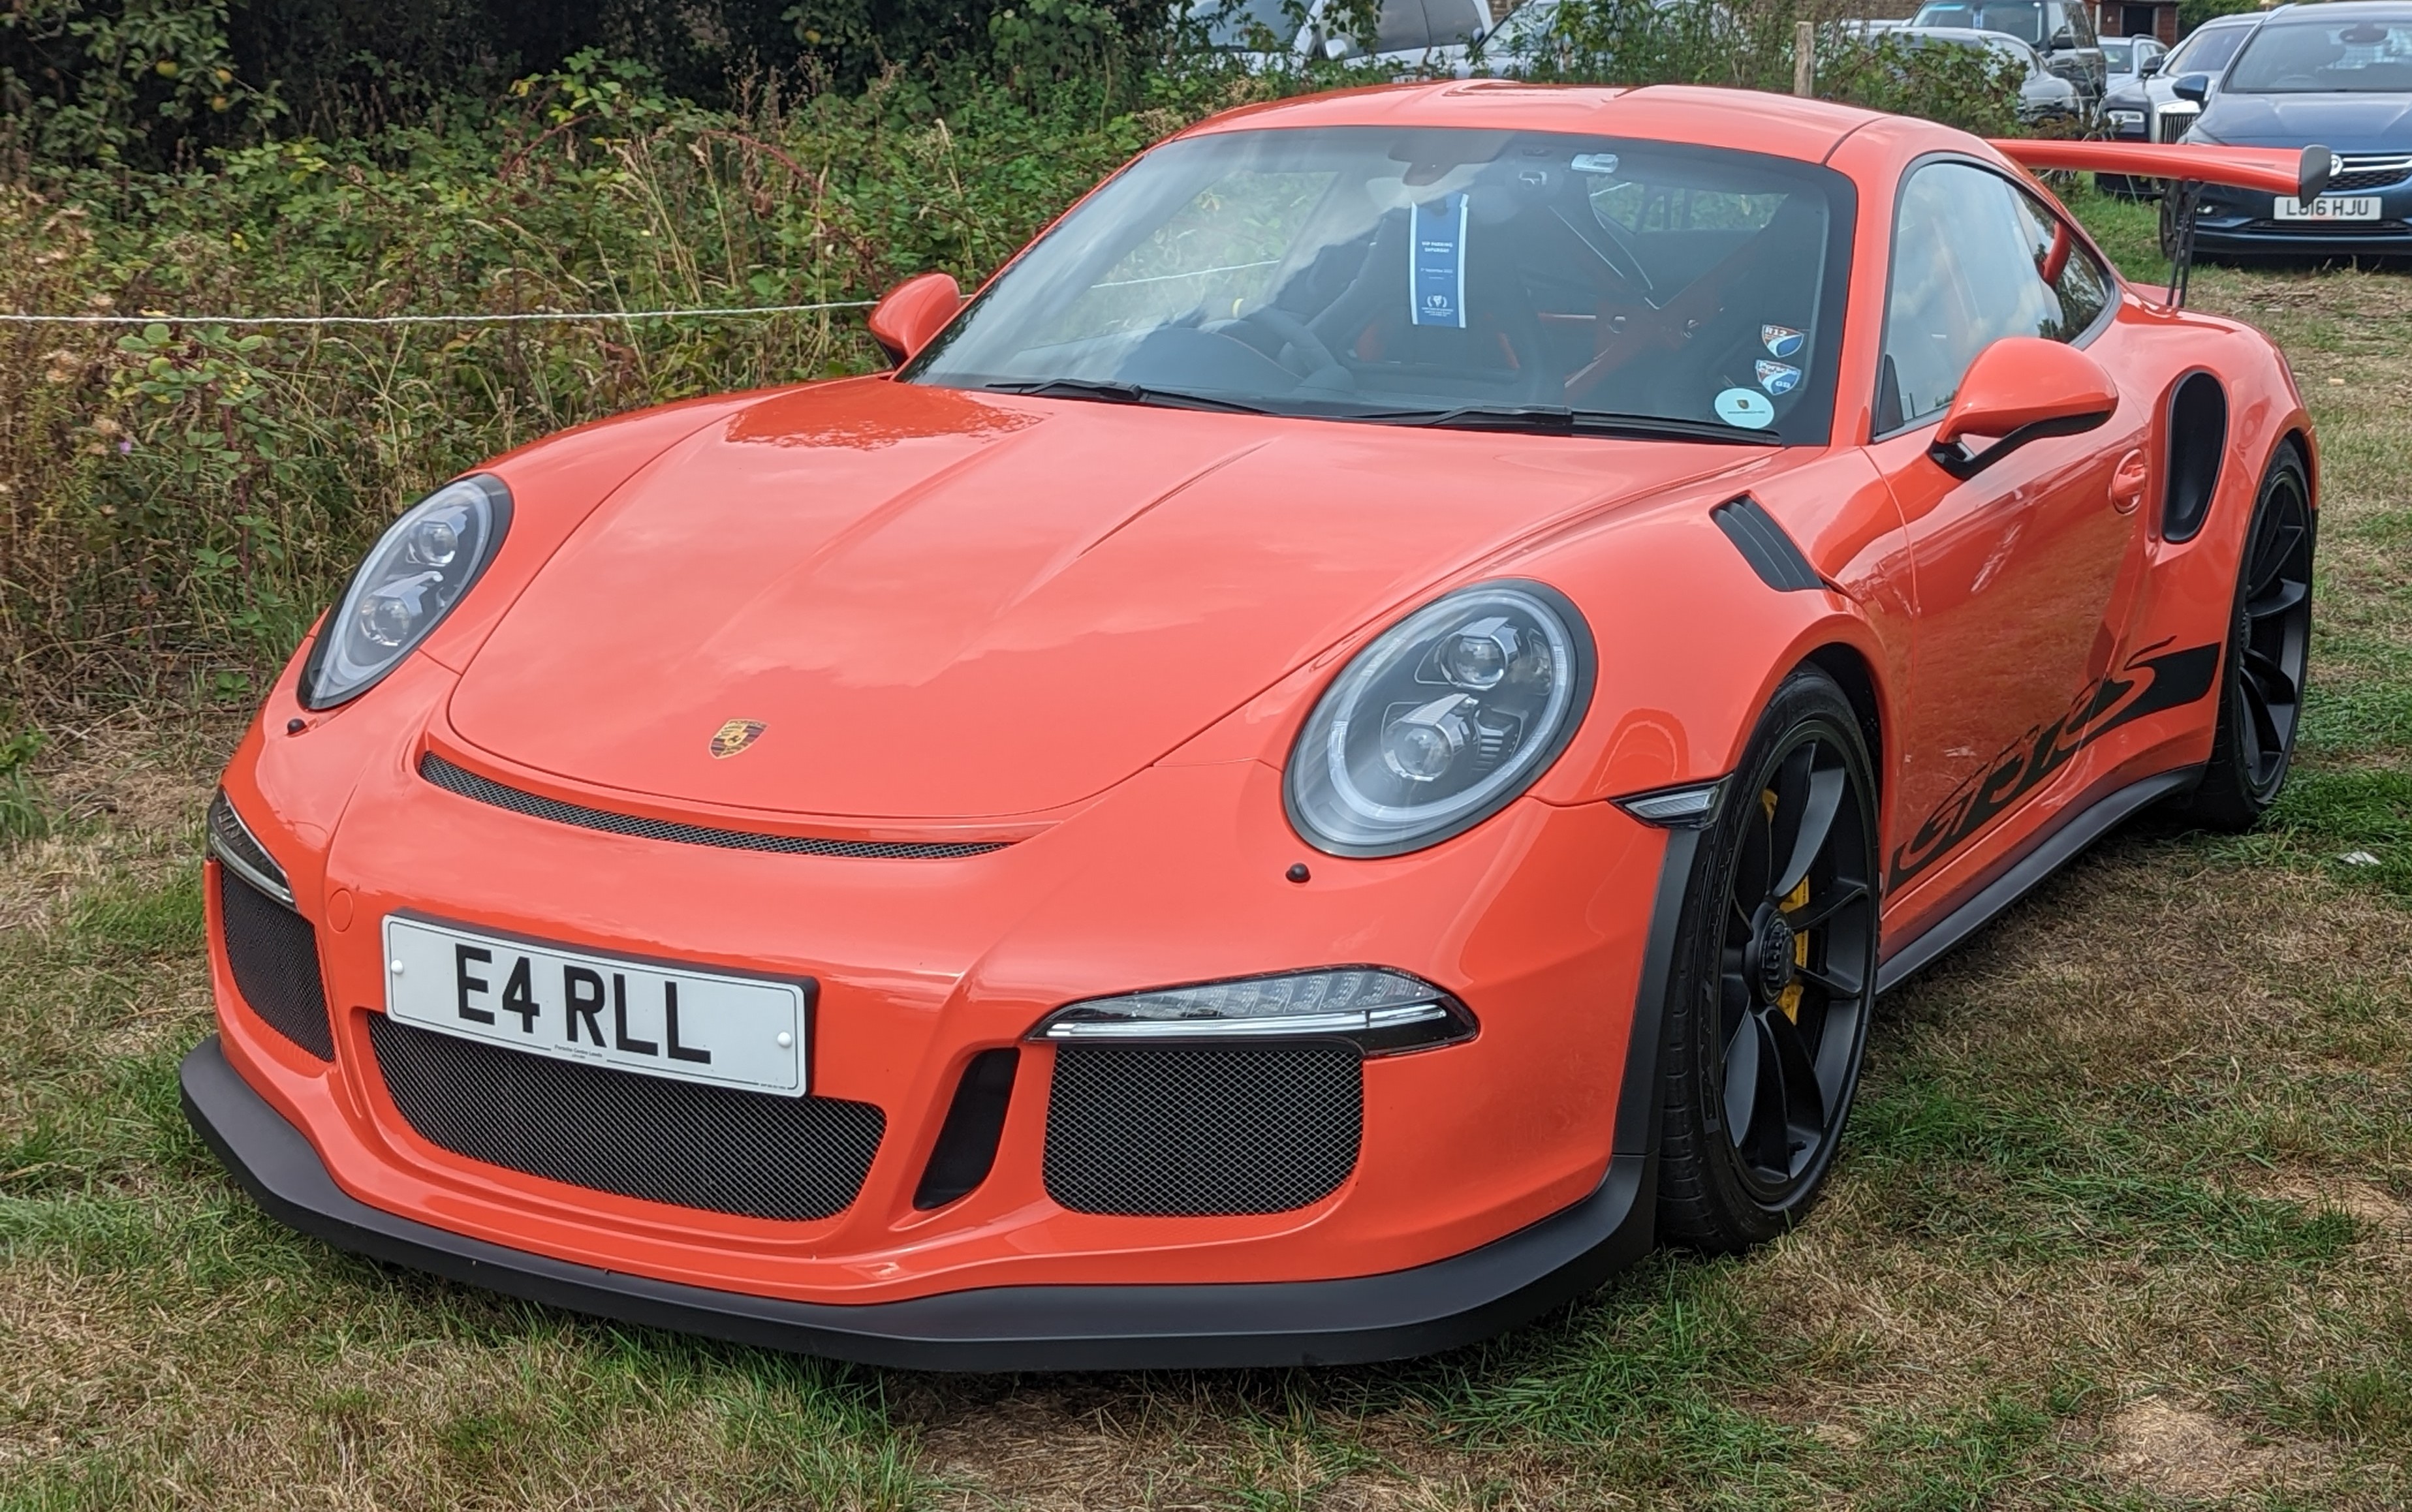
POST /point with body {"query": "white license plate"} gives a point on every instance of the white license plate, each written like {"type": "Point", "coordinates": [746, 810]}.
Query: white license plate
{"type": "Point", "coordinates": [2329, 208]}
{"type": "Point", "coordinates": [609, 1010]}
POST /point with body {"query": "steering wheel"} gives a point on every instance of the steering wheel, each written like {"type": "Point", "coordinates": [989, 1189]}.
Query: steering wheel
{"type": "Point", "coordinates": [1293, 332]}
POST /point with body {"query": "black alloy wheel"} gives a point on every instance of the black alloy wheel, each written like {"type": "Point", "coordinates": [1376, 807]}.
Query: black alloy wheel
{"type": "Point", "coordinates": [1768, 1017]}
{"type": "Point", "coordinates": [2269, 652]}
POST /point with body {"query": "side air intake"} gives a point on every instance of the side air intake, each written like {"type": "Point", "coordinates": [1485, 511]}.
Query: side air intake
{"type": "Point", "coordinates": [2198, 437]}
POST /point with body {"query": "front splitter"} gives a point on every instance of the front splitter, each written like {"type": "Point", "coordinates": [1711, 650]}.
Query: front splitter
{"type": "Point", "coordinates": [1352, 1320]}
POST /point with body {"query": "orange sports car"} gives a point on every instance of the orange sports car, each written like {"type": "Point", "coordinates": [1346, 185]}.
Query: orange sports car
{"type": "Point", "coordinates": [1342, 750]}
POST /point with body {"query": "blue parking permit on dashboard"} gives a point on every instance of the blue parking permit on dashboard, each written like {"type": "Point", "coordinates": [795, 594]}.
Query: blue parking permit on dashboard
{"type": "Point", "coordinates": [1436, 269]}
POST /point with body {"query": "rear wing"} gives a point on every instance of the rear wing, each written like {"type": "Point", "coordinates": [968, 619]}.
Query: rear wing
{"type": "Point", "coordinates": [2302, 172]}
{"type": "Point", "coordinates": [2287, 170]}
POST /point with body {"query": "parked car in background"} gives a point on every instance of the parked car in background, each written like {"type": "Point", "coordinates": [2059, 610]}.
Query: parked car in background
{"type": "Point", "coordinates": [1529, 35]}
{"type": "Point", "coordinates": [2340, 75]}
{"type": "Point", "coordinates": [2126, 60]}
{"type": "Point", "coordinates": [1410, 36]}
{"type": "Point", "coordinates": [2151, 109]}
{"type": "Point", "coordinates": [2062, 34]}
{"type": "Point", "coordinates": [2044, 97]}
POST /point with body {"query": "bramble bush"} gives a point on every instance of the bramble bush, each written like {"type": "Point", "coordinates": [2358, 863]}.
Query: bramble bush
{"type": "Point", "coordinates": [178, 499]}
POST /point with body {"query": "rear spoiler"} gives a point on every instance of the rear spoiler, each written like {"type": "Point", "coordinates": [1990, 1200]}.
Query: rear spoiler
{"type": "Point", "coordinates": [2271, 169]}
{"type": "Point", "coordinates": [2279, 170]}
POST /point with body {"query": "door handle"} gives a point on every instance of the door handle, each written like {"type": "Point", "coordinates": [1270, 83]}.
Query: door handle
{"type": "Point", "coordinates": [2128, 481]}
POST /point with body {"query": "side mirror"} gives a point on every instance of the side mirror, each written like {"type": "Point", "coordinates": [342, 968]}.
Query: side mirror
{"type": "Point", "coordinates": [2148, 67]}
{"type": "Point", "coordinates": [913, 311]}
{"type": "Point", "coordinates": [1335, 48]}
{"type": "Point", "coordinates": [2194, 87]}
{"type": "Point", "coordinates": [2021, 389]}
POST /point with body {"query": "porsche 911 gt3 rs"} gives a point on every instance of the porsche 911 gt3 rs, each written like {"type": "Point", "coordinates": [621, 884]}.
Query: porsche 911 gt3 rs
{"type": "Point", "coordinates": [1342, 750]}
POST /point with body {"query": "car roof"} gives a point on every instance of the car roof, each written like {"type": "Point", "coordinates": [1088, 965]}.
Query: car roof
{"type": "Point", "coordinates": [1777, 125]}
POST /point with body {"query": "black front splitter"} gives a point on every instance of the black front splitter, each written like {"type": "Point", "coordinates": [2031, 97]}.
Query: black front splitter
{"type": "Point", "coordinates": [1355, 1320]}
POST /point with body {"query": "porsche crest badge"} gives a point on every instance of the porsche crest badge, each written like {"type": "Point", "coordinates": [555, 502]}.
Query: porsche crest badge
{"type": "Point", "coordinates": [736, 735]}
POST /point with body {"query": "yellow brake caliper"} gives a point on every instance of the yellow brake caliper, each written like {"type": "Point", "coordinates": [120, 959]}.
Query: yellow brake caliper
{"type": "Point", "coordinates": [1791, 1000]}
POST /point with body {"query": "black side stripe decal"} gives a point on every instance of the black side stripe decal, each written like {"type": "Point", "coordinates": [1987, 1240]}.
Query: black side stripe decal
{"type": "Point", "coordinates": [1764, 545]}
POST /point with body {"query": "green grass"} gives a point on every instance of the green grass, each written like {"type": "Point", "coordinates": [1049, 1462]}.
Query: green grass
{"type": "Point", "coordinates": [2124, 1219]}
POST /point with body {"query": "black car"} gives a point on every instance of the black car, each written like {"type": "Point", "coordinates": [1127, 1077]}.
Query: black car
{"type": "Point", "coordinates": [2147, 106]}
{"type": "Point", "coordinates": [2340, 75]}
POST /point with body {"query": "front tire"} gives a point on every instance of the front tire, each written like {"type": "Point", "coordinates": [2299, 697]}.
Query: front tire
{"type": "Point", "coordinates": [1775, 978]}
{"type": "Point", "coordinates": [2268, 654]}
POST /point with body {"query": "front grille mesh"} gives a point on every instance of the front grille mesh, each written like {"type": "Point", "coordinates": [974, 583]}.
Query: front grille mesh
{"type": "Point", "coordinates": [456, 779]}
{"type": "Point", "coordinates": [273, 953]}
{"type": "Point", "coordinates": [681, 1143]}
{"type": "Point", "coordinates": [1199, 1130]}
{"type": "Point", "coordinates": [2369, 170]}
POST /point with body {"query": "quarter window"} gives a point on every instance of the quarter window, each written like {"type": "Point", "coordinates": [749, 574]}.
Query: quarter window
{"type": "Point", "coordinates": [1975, 259]}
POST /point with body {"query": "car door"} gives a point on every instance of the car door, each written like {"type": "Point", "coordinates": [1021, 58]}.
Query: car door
{"type": "Point", "coordinates": [2016, 567]}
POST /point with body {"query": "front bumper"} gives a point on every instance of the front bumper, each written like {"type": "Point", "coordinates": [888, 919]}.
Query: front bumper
{"type": "Point", "coordinates": [1346, 1321]}
{"type": "Point", "coordinates": [2241, 223]}
{"type": "Point", "coordinates": [1545, 922]}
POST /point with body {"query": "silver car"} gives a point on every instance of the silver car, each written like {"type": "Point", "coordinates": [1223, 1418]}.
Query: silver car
{"type": "Point", "coordinates": [1410, 36]}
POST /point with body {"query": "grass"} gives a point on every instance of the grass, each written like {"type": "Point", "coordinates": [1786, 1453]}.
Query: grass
{"type": "Point", "coordinates": [2124, 1221]}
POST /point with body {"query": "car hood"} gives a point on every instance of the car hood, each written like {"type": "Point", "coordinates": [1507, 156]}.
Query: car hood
{"type": "Point", "coordinates": [2342, 122]}
{"type": "Point", "coordinates": [939, 604]}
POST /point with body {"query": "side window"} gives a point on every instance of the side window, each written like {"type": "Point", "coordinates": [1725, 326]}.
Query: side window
{"type": "Point", "coordinates": [1455, 22]}
{"type": "Point", "coordinates": [1974, 260]}
{"type": "Point", "coordinates": [1401, 27]}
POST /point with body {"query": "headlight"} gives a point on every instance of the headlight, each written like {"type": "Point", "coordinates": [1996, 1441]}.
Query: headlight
{"type": "Point", "coordinates": [2125, 118]}
{"type": "Point", "coordinates": [1441, 722]}
{"type": "Point", "coordinates": [417, 572]}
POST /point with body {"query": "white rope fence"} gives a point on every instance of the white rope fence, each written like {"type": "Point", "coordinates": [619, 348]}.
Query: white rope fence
{"type": "Point", "coordinates": [552, 316]}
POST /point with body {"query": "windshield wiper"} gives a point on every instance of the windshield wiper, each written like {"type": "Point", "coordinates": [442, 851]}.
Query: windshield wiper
{"type": "Point", "coordinates": [1108, 392]}
{"type": "Point", "coordinates": [1557, 420]}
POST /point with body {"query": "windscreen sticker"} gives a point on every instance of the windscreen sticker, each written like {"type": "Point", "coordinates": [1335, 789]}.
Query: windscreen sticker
{"type": "Point", "coordinates": [1778, 377]}
{"type": "Point", "coordinates": [1594, 163]}
{"type": "Point", "coordinates": [1745, 407]}
{"type": "Point", "coordinates": [1436, 274]}
{"type": "Point", "coordinates": [1780, 341]}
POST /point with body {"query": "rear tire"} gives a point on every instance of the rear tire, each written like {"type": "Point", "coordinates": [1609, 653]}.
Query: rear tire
{"type": "Point", "coordinates": [2269, 646]}
{"type": "Point", "coordinates": [1773, 978]}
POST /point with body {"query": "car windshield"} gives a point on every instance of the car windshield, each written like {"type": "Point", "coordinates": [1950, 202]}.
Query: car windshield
{"type": "Point", "coordinates": [1237, 25]}
{"type": "Point", "coordinates": [2206, 51]}
{"type": "Point", "coordinates": [2309, 56]}
{"type": "Point", "coordinates": [2022, 18]}
{"type": "Point", "coordinates": [2118, 53]}
{"type": "Point", "coordinates": [1503, 279]}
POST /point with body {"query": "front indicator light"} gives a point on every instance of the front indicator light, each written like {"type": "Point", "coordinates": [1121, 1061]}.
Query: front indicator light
{"type": "Point", "coordinates": [1382, 1011]}
{"type": "Point", "coordinates": [240, 851]}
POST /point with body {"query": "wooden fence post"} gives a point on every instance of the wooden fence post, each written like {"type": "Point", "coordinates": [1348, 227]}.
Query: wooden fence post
{"type": "Point", "coordinates": [1804, 59]}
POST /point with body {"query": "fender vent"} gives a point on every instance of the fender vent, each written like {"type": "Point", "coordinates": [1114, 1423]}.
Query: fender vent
{"type": "Point", "coordinates": [467, 784]}
{"type": "Point", "coordinates": [1764, 545]}
{"type": "Point", "coordinates": [2198, 437]}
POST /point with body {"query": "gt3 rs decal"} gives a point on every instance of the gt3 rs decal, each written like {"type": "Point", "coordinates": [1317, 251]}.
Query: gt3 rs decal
{"type": "Point", "coordinates": [2147, 684]}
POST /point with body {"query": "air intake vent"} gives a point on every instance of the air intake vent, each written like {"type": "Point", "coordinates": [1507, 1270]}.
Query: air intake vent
{"type": "Point", "coordinates": [273, 953]}
{"type": "Point", "coordinates": [1764, 545]}
{"type": "Point", "coordinates": [1199, 1130]}
{"type": "Point", "coordinates": [679, 1142]}
{"type": "Point", "coordinates": [455, 779]}
{"type": "Point", "coordinates": [2198, 437]}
